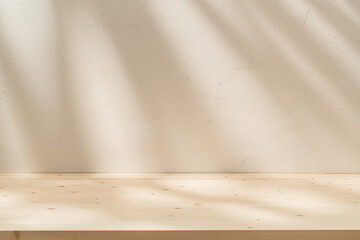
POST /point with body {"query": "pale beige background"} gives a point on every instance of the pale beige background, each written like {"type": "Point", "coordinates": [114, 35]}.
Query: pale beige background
{"type": "Point", "coordinates": [179, 86]}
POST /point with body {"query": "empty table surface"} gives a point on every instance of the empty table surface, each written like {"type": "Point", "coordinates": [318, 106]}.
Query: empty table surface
{"type": "Point", "coordinates": [182, 202]}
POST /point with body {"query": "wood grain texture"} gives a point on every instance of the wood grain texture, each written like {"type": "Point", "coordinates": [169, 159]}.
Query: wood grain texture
{"type": "Point", "coordinates": [182, 235]}
{"type": "Point", "coordinates": [175, 204]}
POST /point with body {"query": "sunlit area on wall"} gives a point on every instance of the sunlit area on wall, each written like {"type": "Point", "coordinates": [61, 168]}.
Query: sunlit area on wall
{"type": "Point", "coordinates": [179, 86]}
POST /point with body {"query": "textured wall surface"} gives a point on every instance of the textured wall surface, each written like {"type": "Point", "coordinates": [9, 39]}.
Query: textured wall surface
{"type": "Point", "coordinates": [179, 86]}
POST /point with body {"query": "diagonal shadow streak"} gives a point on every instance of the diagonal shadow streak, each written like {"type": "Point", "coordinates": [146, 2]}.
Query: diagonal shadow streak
{"type": "Point", "coordinates": [274, 85]}
{"type": "Point", "coordinates": [162, 88]}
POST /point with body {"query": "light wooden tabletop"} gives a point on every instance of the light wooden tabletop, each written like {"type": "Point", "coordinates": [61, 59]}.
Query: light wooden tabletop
{"type": "Point", "coordinates": [179, 202]}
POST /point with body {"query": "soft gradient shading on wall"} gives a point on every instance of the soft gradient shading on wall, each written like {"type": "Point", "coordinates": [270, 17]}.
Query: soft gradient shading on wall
{"type": "Point", "coordinates": [179, 86]}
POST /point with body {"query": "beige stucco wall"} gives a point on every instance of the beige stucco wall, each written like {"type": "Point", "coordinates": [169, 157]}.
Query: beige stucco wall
{"type": "Point", "coordinates": [179, 86]}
